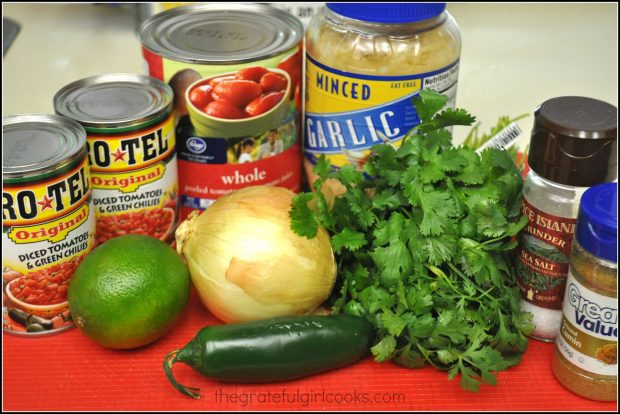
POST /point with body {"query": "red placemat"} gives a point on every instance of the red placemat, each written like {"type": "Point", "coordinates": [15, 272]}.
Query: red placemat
{"type": "Point", "coordinates": [68, 372]}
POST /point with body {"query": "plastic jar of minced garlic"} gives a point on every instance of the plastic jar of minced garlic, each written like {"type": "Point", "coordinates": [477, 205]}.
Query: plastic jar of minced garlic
{"type": "Point", "coordinates": [365, 62]}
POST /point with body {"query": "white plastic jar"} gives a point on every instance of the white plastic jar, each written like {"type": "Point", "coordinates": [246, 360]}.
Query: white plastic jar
{"type": "Point", "coordinates": [364, 63]}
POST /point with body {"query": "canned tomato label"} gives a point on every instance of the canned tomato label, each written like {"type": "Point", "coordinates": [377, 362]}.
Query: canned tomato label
{"type": "Point", "coordinates": [132, 157]}
{"type": "Point", "coordinates": [48, 222]}
{"type": "Point", "coordinates": [235, 70]}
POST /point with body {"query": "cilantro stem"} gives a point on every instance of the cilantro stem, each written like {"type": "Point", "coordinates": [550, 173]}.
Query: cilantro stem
{"type": "Point", "coordinates": [482, 293]}
{"type": "Point", "coordinates": [441, 273]}
{"type": "Point", "coordinates": [424, 353]}
{"type": "Point", "coordinates": [492, 240]}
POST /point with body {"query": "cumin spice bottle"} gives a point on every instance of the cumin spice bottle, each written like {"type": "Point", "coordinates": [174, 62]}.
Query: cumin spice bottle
{"type": "Point", "coordinates": [586, 354]}
{"type": "Point", "coordinates": [573, 147]}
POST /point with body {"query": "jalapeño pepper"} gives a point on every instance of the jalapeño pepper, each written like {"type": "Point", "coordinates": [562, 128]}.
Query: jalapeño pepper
{"type": "Point", "coordinates": [278, 349]}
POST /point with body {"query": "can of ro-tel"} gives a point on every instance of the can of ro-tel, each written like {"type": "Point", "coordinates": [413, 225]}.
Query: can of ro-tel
{"type": "Point", "coordinates": [131, 141]}
{"type": "Point", "coordinates": [235, 70]}
{"type": "Point", "coordinates": [48, 221]}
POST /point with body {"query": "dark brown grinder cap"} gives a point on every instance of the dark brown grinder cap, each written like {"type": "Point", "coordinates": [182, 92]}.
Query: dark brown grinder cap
{"type": "Point", "coordinates": [574, 141]}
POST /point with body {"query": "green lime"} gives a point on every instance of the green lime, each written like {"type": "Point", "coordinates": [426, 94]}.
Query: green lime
{"type": "Point", "coordinates": [129, 291]}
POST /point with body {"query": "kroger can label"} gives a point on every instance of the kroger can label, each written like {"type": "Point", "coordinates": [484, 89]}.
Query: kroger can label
{"type": "Point", "coordinates": [48, 222]}
{"type": "Point", "coordinates": [131, 141]}
{"type": "Point", "coordinates": [201, 45]}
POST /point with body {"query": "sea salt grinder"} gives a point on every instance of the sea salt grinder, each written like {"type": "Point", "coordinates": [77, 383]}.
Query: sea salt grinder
{"type": "Point", "coordinates": [573, 147]}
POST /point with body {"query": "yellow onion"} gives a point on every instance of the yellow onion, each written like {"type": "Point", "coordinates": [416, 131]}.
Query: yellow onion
{"type": "Point", "coordinates": [247, 264]}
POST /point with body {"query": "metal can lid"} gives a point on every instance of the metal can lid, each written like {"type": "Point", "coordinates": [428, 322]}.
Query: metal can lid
{"type": "Point", "coordinates": [574, 141]}
{"type": "Point", "coordinates": [221, 34]}
{"type": "Point", "coordinates": [36, 144]}
{"type": "Point", "coordinates": [115, 102]}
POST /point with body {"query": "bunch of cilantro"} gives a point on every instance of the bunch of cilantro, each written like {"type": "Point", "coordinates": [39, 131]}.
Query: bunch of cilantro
{"type": "Point", "coordinates": [423, 238]}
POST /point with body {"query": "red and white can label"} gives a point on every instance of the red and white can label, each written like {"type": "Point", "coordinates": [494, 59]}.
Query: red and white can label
{"type": "Point", "coordinates": [542, 256]}
{"type": "Point", "coordinates": [213, 167]}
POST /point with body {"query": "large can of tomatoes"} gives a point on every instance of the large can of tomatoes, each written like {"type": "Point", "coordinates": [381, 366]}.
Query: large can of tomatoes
{"type": "Point", "coordinates": [235, 70]}
{"type": "Point", "coordinates": [132, 158]}
{"type": "Point", "coordinates": [48, 221]}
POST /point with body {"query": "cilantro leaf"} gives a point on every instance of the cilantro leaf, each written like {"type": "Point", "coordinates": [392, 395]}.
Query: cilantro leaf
{"type": "Point", "coordinates": [438, 208]}
{"type": "Point", "coordinates": [392, 323]}
{"type": "Point", "coordinates": [392, 261]}
{"type": "Point", "coordinates": [447, 118]}
{"type": "Point", "coordinates": [303, 220]}
{"type": "Point", "coordinates": [348, 239]}
{"type": "Point", "coordinates": [428, 102]}
{"type": "Point", "coordinates": [349, 175]}
{"type": "Point", "coordinates": [389, 230]}
{"type": "Point", "coordinates": [384, 349]}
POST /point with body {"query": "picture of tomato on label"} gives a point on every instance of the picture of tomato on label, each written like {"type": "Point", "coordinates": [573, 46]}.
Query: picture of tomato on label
{"type": "Point", "coordinates": [254, 73]}
{"type": "Point", "coordinates": [272, 82]}
{"type": "Point", "coordinates": [226, 110]}
{"type": "Point", "coordinates": [247, 93]}
{"type": "Point", "coordinates": [157, 223]}
{"type": "Point", "coordinates": [237, 92]}
{"type": "Point", "coordinates": [46, 286]}
{"type": "Point", "coordinates": [201, 95]}
{"type": "Point", "coordinates": [264, 103]}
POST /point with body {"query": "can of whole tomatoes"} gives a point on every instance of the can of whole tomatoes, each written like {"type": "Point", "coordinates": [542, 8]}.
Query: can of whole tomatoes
{"type": "Point", "coordinates": [131, 140]}
{"type": "Point", "coordinates": [48, 221]}
{"type": "Point", "coordinates": [235, 70]}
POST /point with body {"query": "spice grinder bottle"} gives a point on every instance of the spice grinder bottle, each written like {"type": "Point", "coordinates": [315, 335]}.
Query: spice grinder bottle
{"type": "Point", "coordinates": [586, 353]}
{"type": "Point", "coordinates": [573, 147]}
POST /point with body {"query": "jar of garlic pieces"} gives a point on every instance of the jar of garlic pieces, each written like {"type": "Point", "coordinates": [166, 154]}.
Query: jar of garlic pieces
{"type": "Point", "coordinates": [365, 62]}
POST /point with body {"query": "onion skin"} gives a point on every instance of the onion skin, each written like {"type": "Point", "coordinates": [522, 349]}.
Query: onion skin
{"type": "Point", "coordinates": [247, 264]}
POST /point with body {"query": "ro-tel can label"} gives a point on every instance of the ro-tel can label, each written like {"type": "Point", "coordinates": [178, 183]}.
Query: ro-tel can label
{"type": "Point", "coordinates": [348, 113]}
{"type": "Point", "coordinates": [589, 330]}
{"type": "Point", "coordinates": [48, 222]}
{"type": "Point", "coordinates": [187, 44]}
{"type": "Point", "coordinates": [542, 256]}
{"type": "Point", "coordinates": [132, 156]}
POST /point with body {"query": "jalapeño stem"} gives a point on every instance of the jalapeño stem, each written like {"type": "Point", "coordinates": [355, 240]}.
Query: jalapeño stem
{"type": "Point", "coordinates": [170, 359]}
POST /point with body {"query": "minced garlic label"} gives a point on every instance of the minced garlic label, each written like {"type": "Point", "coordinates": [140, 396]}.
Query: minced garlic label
{"type": "Point", "coordinates": [347, 113]}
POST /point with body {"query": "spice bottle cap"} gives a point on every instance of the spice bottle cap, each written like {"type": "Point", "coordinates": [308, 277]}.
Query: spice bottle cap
{"type": "Point", "coordinates": [388, 12]}
{"type": "Point", "coordinates": [597, 222]}
{"type": "Point", "coordinates": [574, 141]}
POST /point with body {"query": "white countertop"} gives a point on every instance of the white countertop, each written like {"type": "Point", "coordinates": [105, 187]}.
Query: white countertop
{"type": "Point", "coordinates": [514, 57]}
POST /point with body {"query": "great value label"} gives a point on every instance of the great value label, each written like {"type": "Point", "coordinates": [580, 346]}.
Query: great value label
{"type": "Point", "coordinates": [589, 331]}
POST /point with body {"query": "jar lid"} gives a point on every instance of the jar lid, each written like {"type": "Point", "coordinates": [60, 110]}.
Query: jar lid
{"type": "Point", "coordinates": [597, 222]}
{"type": "Point", "coordinates": [388, 12]}
{"type": "Point", "coordinates": [574, 141]}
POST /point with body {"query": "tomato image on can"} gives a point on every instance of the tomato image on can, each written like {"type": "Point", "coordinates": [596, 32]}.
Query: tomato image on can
{"type": "Point", "coordinates": [131, 141]}
{"type": "Point", "coordinates": [48, 219]}
{"type": "Point", "coordinates": [235, 70]}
